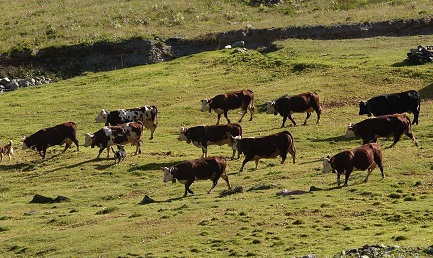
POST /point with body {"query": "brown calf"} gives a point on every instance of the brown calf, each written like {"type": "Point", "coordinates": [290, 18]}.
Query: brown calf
{"type": "Point", "coordinates": [364, 157]}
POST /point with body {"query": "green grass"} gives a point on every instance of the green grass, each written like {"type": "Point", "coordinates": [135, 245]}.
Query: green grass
{"type": "Point", "coordinates": [44, 23]}
{"type": "Point", "coordinates": [103, 218]}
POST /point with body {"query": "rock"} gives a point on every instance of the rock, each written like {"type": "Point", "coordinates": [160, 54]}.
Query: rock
{"type": "Point", "coordinates": [146, 200]}
{"type": "Point", "coordinates": [291, 192]}
{"type": "Point", "coordinates": [43, 199]}
{"type": "Point", "coordinates": [313, 188]}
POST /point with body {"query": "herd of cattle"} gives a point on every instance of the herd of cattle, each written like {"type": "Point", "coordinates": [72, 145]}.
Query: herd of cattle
{"type": "Point", "coordinates": [126, 126]}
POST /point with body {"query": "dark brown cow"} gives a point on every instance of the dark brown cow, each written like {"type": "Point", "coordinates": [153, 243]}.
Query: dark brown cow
{"type": "Point", "coordinates": [205, 135]}
{"type": "Point", "coordinates": [65, 133]}
{"type": "Point", "coordinates": [256, 148]}
{"type": "Point", "coordinates": [222, 103]}
{"type": "Point", "coordinates": [362, 158]}
{"type": "Point", "coordinates": [382, 126]}
{"type": "Point", "coordinates": [302, 103]}
{"type": "Point", "coordinates": [117, 134]}
{"type": "Point", "coordinates": [201, 169]}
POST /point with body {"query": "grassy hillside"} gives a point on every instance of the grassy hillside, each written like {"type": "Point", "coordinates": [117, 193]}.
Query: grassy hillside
{"type": "Point", "coordinates": [103, 218]}
{"type": "Point", "coordinates": [45, 23]}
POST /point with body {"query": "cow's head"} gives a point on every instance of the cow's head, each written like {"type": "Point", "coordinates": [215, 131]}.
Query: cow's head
{"type": "Point", "coordinates": [363, 108]}
{"type": "Point", "coordinates": [270, 107]}
{"type": "Point", "coordinates": [102, 117]}
{"type": "Point", "coordinates": [204, 105]}
{"type": "Point", "coordinates": [236, 142]}
{"type": "Point", "coordinates": [89, 140]}
{"type": "Point", "coordinates": [27, 143]}
{"type": "Point", "coordinates": [327, 165]}
{"type": "Point", "coordinates": [168, 176]}
{"type": "Point", "coordinates": [182, 135]}
{"type": "Point", "coordinates": [350, 132]}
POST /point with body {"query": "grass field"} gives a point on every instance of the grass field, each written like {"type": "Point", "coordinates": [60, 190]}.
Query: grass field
{"type": "Point", "coordinates": [103, 218]}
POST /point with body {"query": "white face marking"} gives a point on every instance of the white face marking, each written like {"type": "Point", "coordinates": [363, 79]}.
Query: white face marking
{"type": "Point", "coordinates": [204, 105]}
{"type": "Point", "coordinates": [326, 165]}
{"type": "Point", "coordinates": [270, 109]}
{"type": "Point", "coordinates": [182, 136]}
{"type": "Point", "coordinates": [350, 133]}
{"type": "Point", "coordinates": [102, 117]}
{"type": "Point", "coordinates": [167, 175]}
{"type": "Point", "coordinates": [88, 139]}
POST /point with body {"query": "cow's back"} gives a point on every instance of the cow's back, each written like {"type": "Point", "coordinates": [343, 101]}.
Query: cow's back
{"type": "Point", "coordinates": [57, 134]}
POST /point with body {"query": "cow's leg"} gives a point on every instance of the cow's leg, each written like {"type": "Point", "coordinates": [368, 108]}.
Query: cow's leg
{"type": "Point", "coordinates": [225, 115]}
{"type": "Point", "coordinates": [244, 162]}
{"type": "Point", "coordinates": [291, 119]}
{"type": "Point", "coordinates": [308, 116]}
{"type": "Point", "coordinates": [138, 147]}
{"type": "Point", "coordinates": [318, 111]}
{"type": "Point", "coordinates": [292, 151]}
{"type": "Point", "coordinates": [378, 161]}
{"type": "Point", "coordinates": [152, 131]}
{"type": "Point", "coordinates": [284, 121]}
{"type": "Point", "coordinates": [67, 146]}
{"type": "Point", "coordinates": [369, 170]}
{"type": "Point", "coordinates": [233, 155]}
{"type": "Point", "coordinates": [225, 177]}
{"type": "Point", "coordinates": [1, 157]}
{"type": "Point", "coordinates": [412, 137]}
{"type": "Point", "coordinates": [218, 120]}
{"type": "Point", "coordinates": [251, 109]}
{"type": "Point", "coordinates": [415, 117]}
{"type": "Point", "coordinates": [44, 151]}
{"type": "Point", "coordinates": [347, 174]}
{"type": "Point", "coordinates": [244, 111]}
{"type": "Point", "coordinates": [101, 149]}
{"type": "Point", "coordinates": [257, 164]}
{"type": "Point", "coordinates": [204, 151]}
{"type": "Point", "coordinates": [214, 183]}
{"type": "Point", "coordinates": [187, 190]}
{"type": "Point", "coordinates": [338, 178]}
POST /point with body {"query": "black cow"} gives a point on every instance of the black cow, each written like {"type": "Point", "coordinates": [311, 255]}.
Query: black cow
{"type": "Point", "coordinates": [408, 101]}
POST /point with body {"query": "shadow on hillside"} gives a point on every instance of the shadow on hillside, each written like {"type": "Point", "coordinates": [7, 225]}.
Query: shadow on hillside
{"type": "Point", "coordinates": [426, 92]}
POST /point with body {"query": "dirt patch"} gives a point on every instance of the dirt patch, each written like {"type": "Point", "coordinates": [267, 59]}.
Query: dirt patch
{"type": "Point", "coordinates": [71, 61]}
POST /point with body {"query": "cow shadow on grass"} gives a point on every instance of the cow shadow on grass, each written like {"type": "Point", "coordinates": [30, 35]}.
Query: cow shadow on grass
{"type": "Point", "coordinates": [426, 93]}
{"type": "Point", "coordinates": [340, 138]}
{"type": "Point", "coordinates": [154, 166]}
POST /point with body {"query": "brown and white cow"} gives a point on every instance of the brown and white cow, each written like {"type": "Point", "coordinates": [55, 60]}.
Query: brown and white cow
{"type": "Point", "coordinates": [302, 103]}
{"type": "Point", "coordinates": [201, 169]}
{"type": "Point", "coordinates": [382, 126]}
{"type": "Point", "coordinates": [365, 157]}
{"type": "Point", "coordinates": [145, 114]}
{"type": "Point", "coordinates": [205, 135]}
{"type": "Point", "coordinates": [222, 103]}
{"type": "Point", "coordinates": [256, 148]}
{"type": "Point", "coordinates": [65, 133]}
{"type": "Point", "coordinates": [116, 134]}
